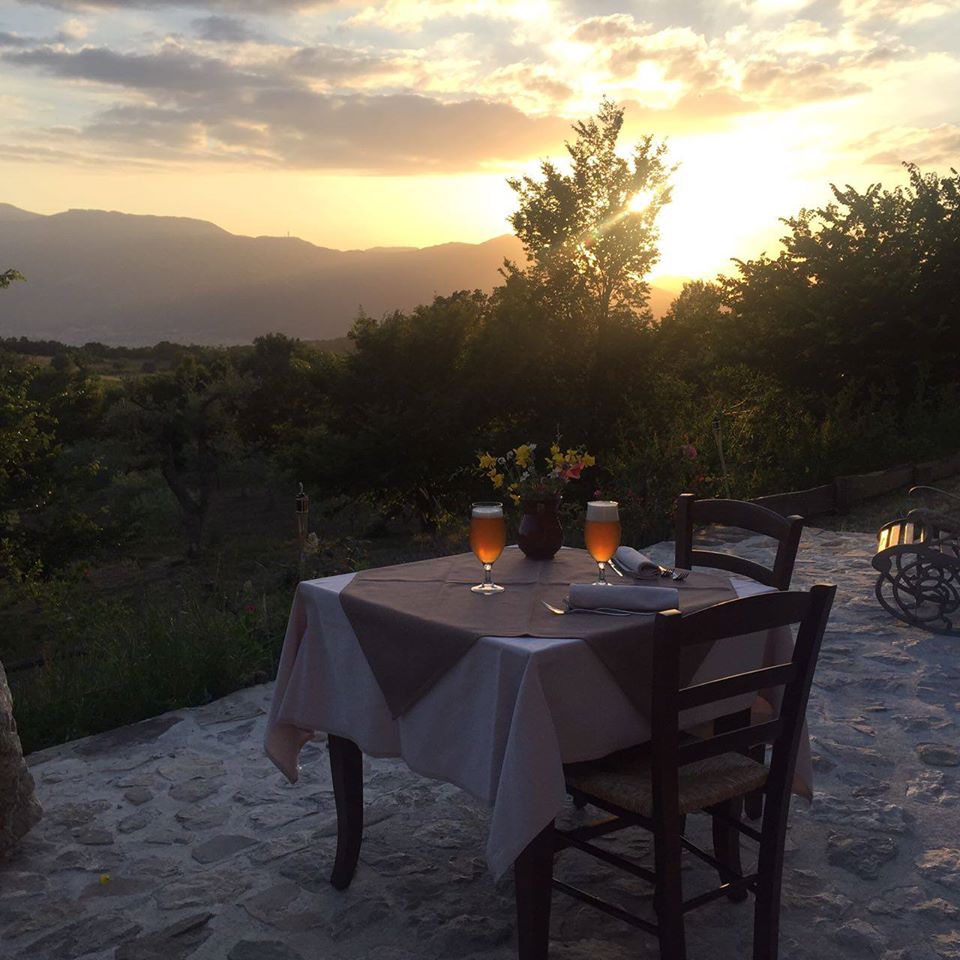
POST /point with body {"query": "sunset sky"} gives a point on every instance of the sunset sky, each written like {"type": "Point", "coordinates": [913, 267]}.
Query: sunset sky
{"type": "Point", "coordinates": [353, 124]}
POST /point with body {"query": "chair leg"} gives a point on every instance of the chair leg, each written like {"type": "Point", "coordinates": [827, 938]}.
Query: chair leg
{"type": "Point", "coordinates": [726, 844]}
{"type": "Point", "coordinates": [766, 918]}
{"type": "Point", "coordinates": [533, 876]}
{"type": "Point", "coordinates": [754, 801]}
{"type": "Point", "coordinates": [668, 898]}
{"type": "Point", "coordinates": [346, 769]}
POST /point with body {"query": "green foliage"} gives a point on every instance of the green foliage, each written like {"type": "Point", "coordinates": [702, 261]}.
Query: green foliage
{"type": "Point", "coordinates": [865, 290]}
{"type": "Point", "coordinates": [8, 276]}
{"type": "Point", "coordinates": [406, 409]}
{"type": "Point", "coordinates": [27, 456]}
{"type": "Point", "coordinates": [127, 661]}
{"type": "Point", "coordinates": [184, 424]}
{"type": "Point", "coordinates": [589, 245]}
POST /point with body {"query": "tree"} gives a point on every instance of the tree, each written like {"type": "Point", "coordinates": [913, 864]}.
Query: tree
{"type": "Point", "coordinates": [690, 335]}
{"type": "Point", "coordinates": [590, 234]}
{"type": "Point", "coordinates": [864, 290]}
{"type": "Point", "coordinates": [183, 423]}
{"type": "Point", "coordinates": [286, 399]}
{"type": "Point", "coordinates": [590, 238]}
{"type": "Point", "coordinates": [8, 276]}
{"type": "Point", "coordinates": [405, 410]}
{"type": "Point", "coordinates": [27, 453]}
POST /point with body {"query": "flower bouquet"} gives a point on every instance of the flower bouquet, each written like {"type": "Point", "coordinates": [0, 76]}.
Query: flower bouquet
{"type": "Point", "coordinates": [516, 471]}
{"type": "Point", "coordinates": [537, 492]}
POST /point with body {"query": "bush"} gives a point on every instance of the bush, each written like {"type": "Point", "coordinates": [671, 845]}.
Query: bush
{"type": "Point", "coordinates": [122, 662]}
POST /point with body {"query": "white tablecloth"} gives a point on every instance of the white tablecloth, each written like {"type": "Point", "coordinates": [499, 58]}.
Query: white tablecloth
{"type": "Point", "coordinates": [500, 724]}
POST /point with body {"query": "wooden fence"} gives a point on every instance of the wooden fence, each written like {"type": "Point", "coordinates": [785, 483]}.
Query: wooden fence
{"type": "Point", "coordinates": [839, 496]}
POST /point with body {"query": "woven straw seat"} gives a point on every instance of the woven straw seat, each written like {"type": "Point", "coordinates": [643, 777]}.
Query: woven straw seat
{"type": "Point", "coordinates": [625, 781]}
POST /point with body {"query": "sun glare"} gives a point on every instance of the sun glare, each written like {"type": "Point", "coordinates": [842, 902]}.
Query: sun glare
{"type": "Point", "coordinates": [641, 200]}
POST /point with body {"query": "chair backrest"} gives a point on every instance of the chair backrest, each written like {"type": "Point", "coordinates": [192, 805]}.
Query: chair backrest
{"type": "Point", "coordinates": [724, 623]}
{"type": "Point", "coordinates": [746, 516]}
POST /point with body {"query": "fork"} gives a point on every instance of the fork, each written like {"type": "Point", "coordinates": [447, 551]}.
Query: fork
{"type": "Point", "coordinates": [678, 576]}
{"type": "Point", "coordinates": [606, 611]}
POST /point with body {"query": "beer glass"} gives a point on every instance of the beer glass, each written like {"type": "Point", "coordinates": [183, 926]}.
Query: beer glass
{"type": "Point", "coordinates": [601, 533]}
{"type": "Point", "coordinates": [488, 537]}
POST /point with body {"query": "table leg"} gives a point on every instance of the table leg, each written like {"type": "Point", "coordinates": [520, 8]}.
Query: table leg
{"type": "Point", "coordinates": [346, 768]}
{"type": "Point", "coordinates": [533, 873]}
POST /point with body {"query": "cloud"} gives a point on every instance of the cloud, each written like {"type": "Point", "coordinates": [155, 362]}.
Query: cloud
{"type": "Point", "coordinates": [933, 146]}
{"type": "Point", "coordinates": [223, 29]}
{"type": "Point", "coordinates": [901, 12]}
{"type": "Point", "coordinates": [172, 69]}
{"type": "Point", "coordinates": [13, 40]}
{"type": "Point", "coordinates": [798, 81]}
{"type": "Point", "coordinates": [609, 29]}
{"type": "Point", "coordinates": [331, 62]}
{"type": "Point", "coordinates": [204, 108]}
{"type": "Point", "coordinates": [230, 6]}
{"type": "Point", "coordinates": [485, 82]}
{"type": "Point", "coordinates": [404, 16]}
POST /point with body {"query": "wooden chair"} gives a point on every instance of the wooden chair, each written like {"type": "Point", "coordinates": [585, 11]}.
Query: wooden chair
{"type": "Point", "coordinates": [744, 516]}
{"type": "Point", "coordinates": [677, 775]}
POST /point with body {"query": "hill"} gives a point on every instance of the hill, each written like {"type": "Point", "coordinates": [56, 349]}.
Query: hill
{"type": "Point", "coordinates": [127, 279]}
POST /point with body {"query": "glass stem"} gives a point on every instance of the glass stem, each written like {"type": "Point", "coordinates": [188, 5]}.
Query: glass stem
{"type": "Point", "coordinates": [602, 578]}
{"type": "Point", "coordinates": [487, 578]}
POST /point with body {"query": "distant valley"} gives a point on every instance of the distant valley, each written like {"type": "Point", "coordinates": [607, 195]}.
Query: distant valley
{"type": "Point", "coordinates": [134, 280]}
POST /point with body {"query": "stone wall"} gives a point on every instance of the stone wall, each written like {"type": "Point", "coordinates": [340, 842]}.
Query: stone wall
{"type": "Point", "coordinates": [19, 809]}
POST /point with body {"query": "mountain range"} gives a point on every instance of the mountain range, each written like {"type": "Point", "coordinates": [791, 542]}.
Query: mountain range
{"type": "Point", "coordinates": [134, 280]}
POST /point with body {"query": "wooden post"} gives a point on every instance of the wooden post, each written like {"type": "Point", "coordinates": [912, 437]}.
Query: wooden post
{"type": "Point", "coordinates": [303, 522]}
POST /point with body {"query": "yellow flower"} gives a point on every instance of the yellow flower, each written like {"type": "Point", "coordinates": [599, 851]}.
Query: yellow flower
{"type": "Point", "coordinates": [555, 455]}
{"type": "Point", "coordinates": [104, 879]}
{"type": "Point", "coordinates": [524, 455]}
{"type": "Point", "coordinates": [515, 497]}
{"type": "Point", "coordinates": [589, 460]}
{"type": "Point", "coordinates": [497, 479]}
{"type": "Point", "coordinates": [487, 461]}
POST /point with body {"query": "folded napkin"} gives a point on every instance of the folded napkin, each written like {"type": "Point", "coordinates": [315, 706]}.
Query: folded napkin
{"type": "Point", "coordinates": [635, 562]}
{"type": "Point", "coordinates": [589, 596]}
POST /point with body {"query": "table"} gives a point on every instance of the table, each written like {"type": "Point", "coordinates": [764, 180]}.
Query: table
{"type": "Point", "coordinates": [500, 724]}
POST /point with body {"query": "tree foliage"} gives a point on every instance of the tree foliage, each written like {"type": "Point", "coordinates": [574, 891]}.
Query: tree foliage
{"type": "Point", "coordinates": [184, 424]}
{"type": "Point", "coordinates": [590, 233]}
{"type": "Point", "coordinates": [865, 290]}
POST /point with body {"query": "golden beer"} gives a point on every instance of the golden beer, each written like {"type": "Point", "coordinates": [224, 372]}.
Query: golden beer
{"type": "Point", "coordinates": [488, 537]}
{"type": "Point", "coordinates": [601, 532]}
{"type": "Point", "coordinates": [602, 538]}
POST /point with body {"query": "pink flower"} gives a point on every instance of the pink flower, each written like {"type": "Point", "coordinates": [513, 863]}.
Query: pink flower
{"type": "Point", "coordinates": [572, 472]}
{"type": "Point", "coordinates": [688, 450]}
{"type": "Point", "coordinates": [250, 608]}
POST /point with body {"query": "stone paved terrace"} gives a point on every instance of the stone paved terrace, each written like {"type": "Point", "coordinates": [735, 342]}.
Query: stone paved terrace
{"type": "Point", "coordinates": [209, 854]}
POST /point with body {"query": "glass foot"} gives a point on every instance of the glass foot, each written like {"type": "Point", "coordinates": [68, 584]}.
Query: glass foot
{"type": "Point", "coordinates": [487, 588]}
